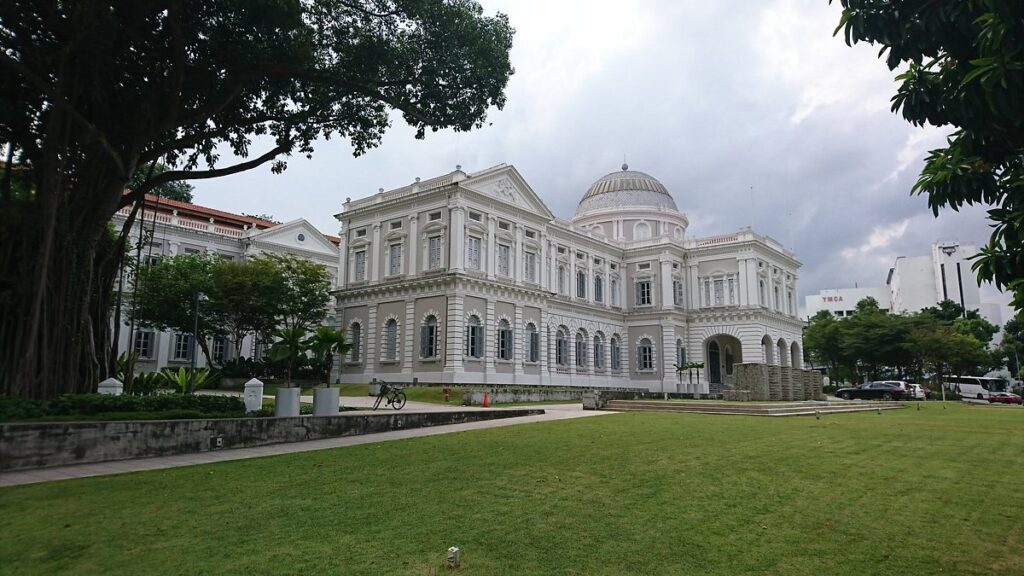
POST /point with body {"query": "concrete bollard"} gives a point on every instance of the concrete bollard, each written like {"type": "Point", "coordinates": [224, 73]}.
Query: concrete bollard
{"type": "Point", "coordinates": [325, 401]}
{"type": "Point", "coordinates": [253, 395]}
{"type": "Point", "coordinates": [110, 386]}
{"type": "Point", "coordinates": [454, 558]}
{"type": "Point", "coordinates": [286, 402]}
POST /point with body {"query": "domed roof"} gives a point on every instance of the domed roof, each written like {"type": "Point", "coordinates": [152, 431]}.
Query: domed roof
{"type": "Point", "coordinates": [626, 189]}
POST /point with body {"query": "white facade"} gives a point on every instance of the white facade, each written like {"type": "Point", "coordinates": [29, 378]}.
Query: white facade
{"type": "Point", "coordinates": [180, 228]}
{"type": "Point", "coordinates": [469, 278]}
{"type": "Point", "coordinates": [917, 282]}
{"type": "Point", "coordinates": [842, 302]}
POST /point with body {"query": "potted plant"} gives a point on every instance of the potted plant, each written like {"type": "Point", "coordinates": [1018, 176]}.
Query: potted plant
{"type": "Point", "coordinates": [325, 343]}
{"type": "Point", "coordinates": [291, 342]}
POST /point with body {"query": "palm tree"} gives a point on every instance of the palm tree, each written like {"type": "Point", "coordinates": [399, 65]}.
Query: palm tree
{"type": "Point", "coordinates": [291, 342]}
{"type": "Point", "coordinates": [325, 343]}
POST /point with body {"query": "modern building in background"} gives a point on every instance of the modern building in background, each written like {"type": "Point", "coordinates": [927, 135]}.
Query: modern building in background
{"type": "Point", "coordinates": [469, 278]}
{"type": "Point", "coordinates": [173, 228]}
{"type": "Point", "coordinates": [917, 282]}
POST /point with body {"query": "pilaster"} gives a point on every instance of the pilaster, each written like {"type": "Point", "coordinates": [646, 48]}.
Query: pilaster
{"type": "Point", "coordinates": [518, 344]}
{"type": "Point", "coordinates": [414, 238]}
{"type": "Point", "coordinates": [454, 333]}
{"type": "Point", "coordinates": [490, 252]}
{"type": "Point", "coordinates": [457, 254]}
{"type": "Point", "coordinates": [490, 338]}
{"type": "Point", "coordinates": [408, 346]}
{"type": "Point", "coordinates": [374, 254]}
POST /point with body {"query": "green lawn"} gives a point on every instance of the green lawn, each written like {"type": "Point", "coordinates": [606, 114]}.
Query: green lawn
{"type": "Point", "coordinates": [906, 492]}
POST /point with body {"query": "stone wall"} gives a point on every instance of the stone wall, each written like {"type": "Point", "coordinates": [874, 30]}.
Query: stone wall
{"type": "Point", "coordinates": [768, 382]}
{"type": "Point", "coordinates": [38, 445]}
{"type": "Point", "coordinates": [500, 396]}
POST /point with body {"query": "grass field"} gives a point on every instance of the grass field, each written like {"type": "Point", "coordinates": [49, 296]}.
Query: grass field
{"type": "Point", "coordinates": [907, 492]}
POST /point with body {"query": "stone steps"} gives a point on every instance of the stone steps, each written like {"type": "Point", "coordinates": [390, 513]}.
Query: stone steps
{"type": "Point", "coordinates": [749, 408]}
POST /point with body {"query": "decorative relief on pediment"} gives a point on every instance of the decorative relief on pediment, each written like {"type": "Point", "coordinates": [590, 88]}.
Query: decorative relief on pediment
{"type": "Point", "coordinates": [505, 190]}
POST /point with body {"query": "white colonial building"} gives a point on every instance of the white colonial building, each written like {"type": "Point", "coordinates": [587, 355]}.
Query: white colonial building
{"type": "Point", "coordinates": [469, 278]}
{"type": "Point", "coordinates": [171, 228]}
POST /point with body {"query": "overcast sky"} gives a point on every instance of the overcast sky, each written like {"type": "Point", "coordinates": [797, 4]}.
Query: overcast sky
{"type": "Point", "coordinates": [750, 112]}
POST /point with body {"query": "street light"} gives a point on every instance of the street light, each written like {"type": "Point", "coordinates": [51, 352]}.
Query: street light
{"type": "Point", "coordinates": [195, 341]}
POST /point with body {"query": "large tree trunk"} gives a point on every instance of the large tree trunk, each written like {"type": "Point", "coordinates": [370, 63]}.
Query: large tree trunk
{"type": "Point", "coordinates": [58, 263]}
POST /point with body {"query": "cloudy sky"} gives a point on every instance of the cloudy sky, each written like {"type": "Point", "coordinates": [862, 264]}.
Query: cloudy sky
{"type": "Point", "coordinates": [749, 111]}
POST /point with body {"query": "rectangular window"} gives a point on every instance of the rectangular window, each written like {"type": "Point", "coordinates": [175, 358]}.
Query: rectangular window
{"type": "Point", "coordinates": [472, 253]}
{"type": "Point", "coordinates": [504, 255]}
{"type": "Point", "coordinates": [395, 259]}
{"type": "Point", "coordinates": [533, 347]}
{"type": "Point", "coordinates": [643, 293]}
{"type": "Point", "coordinates": [361, 233]}
{"type": "Point", "coordinates": [530, 234]}
{"type": "Point", "coordinates": [719, 292]}
{"type": "Point", "coordinates": [396, 225]}
{"type": "Point", "coordinates": [581, 284]}
{"type": "Point", "coordinates": [677, 292]}
{"type": "Point", "coordinates": [433, 252]}
{"type": "Point", "coordinates": [530, 266]}
{"type": "Point", "coordinates": [503, 225]}
{"type": "Point", "coordinates": [182, 346]}
{"type": "Point", "coordinates": [191, 251]}
{"type": "Point", "coordinates": [474, 216]}
{"type": "Point", "coordinates": [360, 265]}
{"type": "Point", "coordinates": [434, 216]}
{"type": "Point", "coordinates": [144, 344]}
{"type": "Point", "coordinates": [220, 349]}
{"type": "Point", "coordinates": [646, 266]}
{"type": "Point", "coordinates": [614, 287]}
{"type": "Point", "coordinates": [598, 289]}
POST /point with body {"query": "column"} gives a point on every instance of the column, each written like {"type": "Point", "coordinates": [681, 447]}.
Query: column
{"type": "Point", "coordinates": [606, 283]}
{"type": "Point", "coordinates": [412, 251]}
{"type": "Point", "coordinates": [453, 334]}
{"type": "Point", "coordinates": [374, 254]}
{"type": "Point", "coordinates": [490, 338]}
{"type": "Point", "coordinates": [694, 288]}
{"type": "Point", "coordinates": [542, 263]}
{"type": "Point", "coordinates": [666, 285]}
{"type": "Point", "coordinates": [741, 280]}
{"type": "Point", "coordinates": [590, 279]}
{"type": "Point", "coordinates": [408, 346]}
{"type": "Point", "coordinates": [457, 252]}
{"type": "Point", "coordinates": [753, 291]}
{"type": "Point", "coordinates": [491, 250]}
{"type": "Point", "coordinates": [517, 256]}
{"type": "Point", "coordinates": [342, 258]}
{"type": "Point", "coordinates": [668, 359]}
{"type": "Point", "coordinates": [553, 268]}
{"type": "Point", "coordinates": [518, 336]}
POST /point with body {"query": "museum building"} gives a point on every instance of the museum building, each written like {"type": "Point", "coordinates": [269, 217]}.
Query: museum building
{"type": "Point", "coordinates": [468, 278]}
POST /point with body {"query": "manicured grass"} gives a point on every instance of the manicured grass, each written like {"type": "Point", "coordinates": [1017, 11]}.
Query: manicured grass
{"type": "Point", "coordinates": [906, 492]}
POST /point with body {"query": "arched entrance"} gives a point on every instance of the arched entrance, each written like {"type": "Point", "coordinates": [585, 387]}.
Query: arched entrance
{"type": "Point", "coordinates": [797, 359]}
{"type": "Point", "coordinates": [722, 351]}
{"type": "Point", "coordinates": [766, 350]}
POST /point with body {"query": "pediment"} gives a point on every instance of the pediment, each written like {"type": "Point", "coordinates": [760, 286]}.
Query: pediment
{"type": "Point", "coordinates": [507, 185]}
{"type": "Point", "coordinates": [298, 234]}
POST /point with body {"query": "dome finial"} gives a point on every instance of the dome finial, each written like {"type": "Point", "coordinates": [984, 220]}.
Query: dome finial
{"type": "Point", "coordinates": [624, 165]}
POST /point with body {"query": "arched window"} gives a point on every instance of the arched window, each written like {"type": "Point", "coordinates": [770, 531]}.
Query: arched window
{"type": "Point", "coordinates": [641, 231]}
{"type": "Point", "coordinates": [561, 279]}
{"type": "Point", "coordinates": [729, 360]}
{"type": "Point", "coordinates": [598, 352]}
{"type": "Point", "coordinates": [474, 338]}
{"type": "Point", "coordinates": [581, 350]}
{"type": "Point", "coordinates": [614, 286]}
{"type": "Point", "coordinates": [598, 289]}
{"type": "Point", "coordinates": [777, 303]}
{"type": "Point", "coordinates": [680, 353]}
{"type": "Point", "coordinates": [532, 343]}
{"type": "Point", "coordinates": [428, 337]}
{"type": "Point", "coordinates": [645, 355]}
{"type": "Point", "coordinates": [581, 284]}
{"type": "Point", "coordinates": [616, 354]}
{"type": "Point", "coordinates": [561, 348]}
{"type": "Point", "coordinates": [355, 339]}
{"type": "Point", "coordinates": [391, 339]}
{"type": "Point", "coordinates": [764, 295]}
{"type": "Point", "coordinates": [504, 340]}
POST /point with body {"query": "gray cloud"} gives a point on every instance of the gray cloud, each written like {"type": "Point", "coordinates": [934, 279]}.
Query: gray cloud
{"type": "Point", "coordinates": [751, 113]}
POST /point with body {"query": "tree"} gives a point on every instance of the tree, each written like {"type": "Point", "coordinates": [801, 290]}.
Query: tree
{"type": "Point", "coordinates": [179, 190]}
{"type": "Point", "coordinates": [965, 69]}
{"type": "Point", "coordinates": [305, 292]}
{"type": "Point", "coordinates": [165, 297]}
{"type": "Point", "coordinates": [266, 217]}
{"type": "Point", "coordinates": [243, 298]}
{"type": "Point", "coordinates": [291, 342]}
{"type": "Point", "coordinates": [822, 341]}
{"type": "Point", "coordinates": [325, 343]}
{"type": "Point", "coordinates": [90, 91]}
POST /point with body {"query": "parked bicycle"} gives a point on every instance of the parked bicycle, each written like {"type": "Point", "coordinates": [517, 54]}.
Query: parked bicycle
{"type": "Point", "coordinates": [394, 395]}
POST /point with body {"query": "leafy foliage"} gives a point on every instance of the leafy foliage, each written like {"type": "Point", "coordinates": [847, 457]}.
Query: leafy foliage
{"type": "Point", "coordinates": [291, 343]}
{"type": "Point", "coordinates": [188, 381]}
{"type": "Point", "coordinates": [179, 190]}
{"type": "Point", "coordinates": [325, 343]}
{"type": "Point", "coordinates": [965, 68]}
{"type": "Point", "coordinates": [92, 404]}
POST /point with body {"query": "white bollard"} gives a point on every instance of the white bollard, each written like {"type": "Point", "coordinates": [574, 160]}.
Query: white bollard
{"type": "Point", "coordinates": [454, 557]}
{"type": "Point", "coordinates": [110, 386]}
{"type": "Point", "coordinates": [253, 395]}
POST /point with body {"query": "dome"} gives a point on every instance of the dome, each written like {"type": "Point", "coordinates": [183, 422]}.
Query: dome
{"type": "Point", "coordinates": [626, 189]}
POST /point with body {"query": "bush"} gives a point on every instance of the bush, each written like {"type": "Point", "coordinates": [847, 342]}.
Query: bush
{"type": "Point", "coordinates": [198, 406]}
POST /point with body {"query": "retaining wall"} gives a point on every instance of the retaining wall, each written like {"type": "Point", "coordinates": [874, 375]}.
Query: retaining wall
{"type": "Point", "coordinates": [44, 444]}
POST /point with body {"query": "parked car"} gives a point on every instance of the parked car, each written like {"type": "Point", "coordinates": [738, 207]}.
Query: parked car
{"type": "Point", "coordinates": [890, 390]}
{"type": "Point", "coordinates": [1004, 398]}
{"type": "Point", "coordinates": [916, 392]}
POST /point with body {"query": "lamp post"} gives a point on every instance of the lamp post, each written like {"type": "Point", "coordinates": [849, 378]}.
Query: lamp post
{"type": "Point", "coordinates": [195, 342]}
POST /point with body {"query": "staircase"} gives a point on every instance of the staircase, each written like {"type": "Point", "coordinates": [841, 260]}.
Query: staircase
{"type": "Point", "coordinates": [750, 408]}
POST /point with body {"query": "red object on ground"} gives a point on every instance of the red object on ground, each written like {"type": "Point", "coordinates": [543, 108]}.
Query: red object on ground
{"type": "Point", "coordinates": [487, 400]}
{"type": "Point", "coordinates": [445, 393]}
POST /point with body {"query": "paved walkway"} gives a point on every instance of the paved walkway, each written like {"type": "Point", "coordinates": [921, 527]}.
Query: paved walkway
{"type": "Point", "coordinates": [552, 412]}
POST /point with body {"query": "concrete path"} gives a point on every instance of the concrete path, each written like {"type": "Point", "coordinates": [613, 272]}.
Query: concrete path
{"type": "Point", "coordinates": [552, 412]}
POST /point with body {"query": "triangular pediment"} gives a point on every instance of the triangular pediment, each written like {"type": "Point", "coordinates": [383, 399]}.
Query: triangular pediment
{"type": "Point", "coordinates": [298, 234]}
{"type": "Point", "coordinates": [506, 184]}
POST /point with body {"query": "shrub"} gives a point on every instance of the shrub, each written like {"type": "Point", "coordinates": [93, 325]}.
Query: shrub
{"type": "Point", "coordinates": [12, 409]}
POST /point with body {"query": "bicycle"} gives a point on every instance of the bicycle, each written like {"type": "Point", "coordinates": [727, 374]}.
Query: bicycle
{"type": "Point", "coordinates": [394, 395]}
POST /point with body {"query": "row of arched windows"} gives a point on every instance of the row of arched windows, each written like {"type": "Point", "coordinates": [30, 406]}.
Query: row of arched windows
{"type": "Point", "coordinates": [505, 342]}
{"type": "Point", "coordinates": [584, 346]}
{"type": "Point", "coordinates": [581, 286]}
{"type": "Point", "coordinates": [429, 343]}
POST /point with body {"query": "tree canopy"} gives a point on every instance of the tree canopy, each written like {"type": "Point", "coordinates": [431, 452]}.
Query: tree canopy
{"type": "Point", "coordinates": [93, 91]}
{"type": "Point", "coordinates": [179, 190]}
{"type": "Point", "coordinates": [964, 67]}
